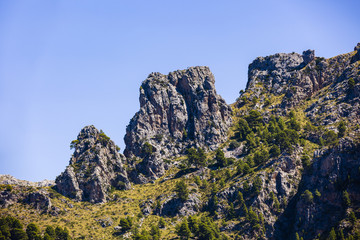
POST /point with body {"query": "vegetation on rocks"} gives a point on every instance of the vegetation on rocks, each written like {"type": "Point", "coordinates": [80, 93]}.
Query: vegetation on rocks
{"type": "Point", "coordinates": [282, 162]}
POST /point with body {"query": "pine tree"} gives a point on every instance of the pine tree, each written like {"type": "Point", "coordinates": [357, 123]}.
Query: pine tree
{"type": "Point", "coordinates": [155, 232]}
{"type": "Point", "coordinates": [242, 204]}
{"type": "Point", "coordinates": [183, 230]}
{"type": "Point", "coordinates": [341, 129]}
{"type": "Point", "coordinates": [346, 199]}
{"type": "Point", "coordinates": [220, 158]}
{"type": "Point", "coordinates": [181, 190]}
{"type": "Point", "coordinates": [332, 235]}
{"type": "Point", "coordinates": [231, 211]}
{"type": "Point", "coordinates": [162, 223]}
{"type": "Point", "coordinates": [33, 232]}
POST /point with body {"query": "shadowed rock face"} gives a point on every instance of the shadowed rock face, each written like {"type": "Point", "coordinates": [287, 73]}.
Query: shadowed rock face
{"type": "Point", "coordinates": [94, 168]}
{"type": "Point", "coordinates": [177, 110]}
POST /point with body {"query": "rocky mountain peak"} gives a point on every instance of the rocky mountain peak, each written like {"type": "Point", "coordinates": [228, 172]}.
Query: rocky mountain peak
{"type": "Point", "coordinates": [95, 167]}
{"type": "Point", "coordinates": [178, 110]}
{"type": "Point", "coordinates": [296, 76]}
{"type": "Point", "coordinates": [277, 70]}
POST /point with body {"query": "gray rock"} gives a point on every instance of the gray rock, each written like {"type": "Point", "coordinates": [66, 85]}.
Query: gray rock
{"type": "Point", "coordinates": [117, 228]}
{"type": "Point", "coordinates": [147, 207]}
{"type": "Point", "coordinates": [8, 179]}
{"type": "Point", "coordinates": [39, 200]}
{"type": "Point", "coordinates": [107, 222]}
{"type": "Point", "coordinates": [175, 207]}
{"type": "Point", "coordinates": [177, 110]}
{"type": "Point", "coordinates": [94, 168]}
{"type": "Point", "coordinates": [7, 198]}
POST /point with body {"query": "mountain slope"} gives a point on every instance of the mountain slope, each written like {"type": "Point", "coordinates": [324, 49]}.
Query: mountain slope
{"type": "Point", "coordinates": [281, 163]}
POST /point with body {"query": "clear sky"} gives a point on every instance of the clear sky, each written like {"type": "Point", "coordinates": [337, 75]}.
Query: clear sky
{"type": "Point", "coordinates": [67, 64]}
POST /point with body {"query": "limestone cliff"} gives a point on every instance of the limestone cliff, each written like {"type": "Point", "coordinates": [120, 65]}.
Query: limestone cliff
{"type": "Point", "coordinates": [95, 167]}
{"type": "Point", "coordinates": [177, 110]}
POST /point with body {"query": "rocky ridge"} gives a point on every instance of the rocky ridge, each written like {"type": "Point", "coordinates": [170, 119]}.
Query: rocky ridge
{"type": "Point", "coordinates": [290, 165]}
{"type": "Point", "coordinates": [8, 179]}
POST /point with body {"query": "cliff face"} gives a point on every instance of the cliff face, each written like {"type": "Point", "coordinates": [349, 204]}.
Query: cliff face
{"type": "Point", "coordinates": [95, 167]}
{"type": "Point", "coordinates": [334, 173]}
{"type": "Point", "coordinates": [309, 184]}
{"type": "Point", "coordinates": [178, 110]}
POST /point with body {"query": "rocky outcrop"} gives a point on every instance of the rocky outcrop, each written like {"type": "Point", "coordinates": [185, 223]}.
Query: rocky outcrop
{"type": "Point", "coordinates": [39, 200]}
{"type": "Point", "coordinates": [177, 110]}
{"type": "Point", "coordinates": [296, 76]}
{"type": "Point", "coordinates": [175, 207]}
{"type": "Point", "coordinates": [95, 167]}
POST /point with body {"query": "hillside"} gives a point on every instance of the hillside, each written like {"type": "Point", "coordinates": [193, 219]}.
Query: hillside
{"type": "Point", "coordinates": [282, 162]}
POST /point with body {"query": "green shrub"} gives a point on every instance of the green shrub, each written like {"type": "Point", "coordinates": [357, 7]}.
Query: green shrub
{"type": "Point", "coordinates": [162, 223]}
{"type": "Point", "coordinates": [155, 232]}
{"type": "Point", "coordinates": [274, 151]}
{"type": "Point", "coordinates": [117, 148]}
{"type": "Point", "coordinates": [196, 157]}
{"type": "Point", "coordinates": [104, 139]}
{"type": "Point", "coordinates": [305, 159]}
{"type": "Point", "coordinates": [73, 144]}
{"type": "Point", "coordinates": [233, 145]}
{"type": "Point", "coordinates": [183, 231]}
{"type": "Point", "coordinates": [261, 156]}
{"type": "Point", "coordinates": [332, 235]}
{"type": "Point", "coordinates": [254, 119]}
{"type": "Point", "coordinates": [158, 137]}
{"type": "Point", "coordinates": [257, 185]}
{"type": "Point", "coordinates": [220, 158]}
{"type": "Point", "coordinates": [341, 129]}
{"type": "Point", "coordinates": [181, 190]}
{"type": "Point", "coordinates": [126, 223]}
{"type": "Point", "coordinates": [242, 129]}
{"type": "Point", "coordinates": [307, 196]}
{"type": "Point", "coordinates": [330, 137]}
{"type": "Point", "coordinates": [346, 199]}
{"type": "Point", "coordinates": [351, 84]}
{"type": "Point", "coordinates": [147, 149]}
{"type": "Point", "coordinates": [33, 232]}
{"type": "Point", "coordinates": [352, 217]}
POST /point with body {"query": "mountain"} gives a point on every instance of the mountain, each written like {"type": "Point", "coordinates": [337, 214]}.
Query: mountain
{"type": "Point", "coordinates": [282, 162]}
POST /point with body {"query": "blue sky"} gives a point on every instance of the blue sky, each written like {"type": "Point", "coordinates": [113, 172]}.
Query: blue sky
{"type": "Point", "coordinates": [67, 64]}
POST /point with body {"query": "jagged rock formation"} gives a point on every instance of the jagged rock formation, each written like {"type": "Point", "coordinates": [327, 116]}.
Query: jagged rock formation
{"type": "Point", "coordinates": [297, 76]}
{"type": "Point", "coordinates": [95, 167]}
{"type": "Point", "coordinates": [177, 110]}
{"type": "Point", "coordinates": [174, 110]}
